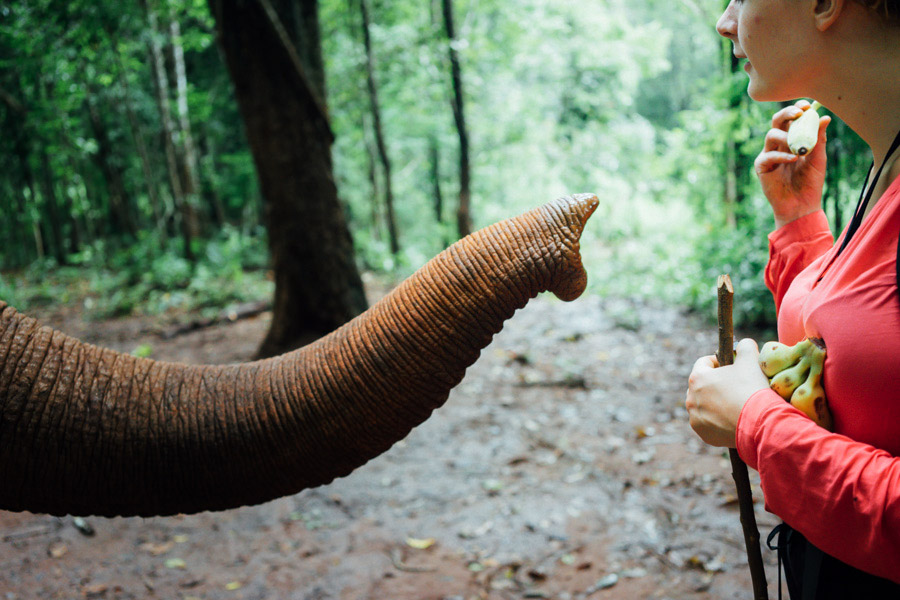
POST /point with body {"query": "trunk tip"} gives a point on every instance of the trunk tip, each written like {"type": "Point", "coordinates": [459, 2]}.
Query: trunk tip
{"type": "Point", "coordinates": [584, 205]}
{"type": "Point", "coordinates": [575, 211]}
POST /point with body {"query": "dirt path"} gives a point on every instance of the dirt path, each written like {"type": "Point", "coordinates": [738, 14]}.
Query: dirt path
{"type": "Point", "coordinates": [562, 467]}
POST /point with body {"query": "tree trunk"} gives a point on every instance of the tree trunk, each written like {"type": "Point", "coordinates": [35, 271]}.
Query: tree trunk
{"type": "Point", "coordinates": [188, 153]}
{"type": "Point", "coordinates": [833, 174]}
{"type": "Point", "coordinates": [735, 159]}
{"type": "Point", "coordinates": [55, 221]}
{"type": "Point", "coordinates": [463, 211]}
{"type": "Point", "coordinates": [208, 165]}
{"type": "Point", "coordinates": [137, 136]}
{"type": "Point", "coordinates": [118, 198]}
{"type": "Point", "coordinates": [161, 84]}
{"type": "Point", "coordinates": [436, 193]}
{"type": "Point", "coordinates": [15, 125]}
{"type": "Point", "coordinates": [274, 57]}
{"type": "Point", "coordinates": [379, 132]}
{"type": "Point", "coordinates": [372, 176]}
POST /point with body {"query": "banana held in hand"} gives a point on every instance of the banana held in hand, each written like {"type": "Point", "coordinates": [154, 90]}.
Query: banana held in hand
{"type": "Point", "coordinates": [804, 131]}
{"type": "Point", "coordinates": [795, 373]}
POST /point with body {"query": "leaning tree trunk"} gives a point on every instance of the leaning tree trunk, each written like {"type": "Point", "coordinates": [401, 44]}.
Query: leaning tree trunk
{"type": "Point", "coordinates": [464, 209]}
{"type": "Point", "coordinates": [378, 130]}
{"type": "Point", "coordinates": [274, 55]}
{"type": "Point", "coordinates": [89, 431]}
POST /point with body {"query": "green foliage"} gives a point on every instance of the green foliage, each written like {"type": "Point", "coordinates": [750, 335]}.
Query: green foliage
{"type": "Point", "coordinates": [742, 253]}
{"type": "Point", "coordinates": [149, 278]}
{"type": "Point", "coordinates": [143, 351]}
{"type": "Point", "coordinates": [637, 101]}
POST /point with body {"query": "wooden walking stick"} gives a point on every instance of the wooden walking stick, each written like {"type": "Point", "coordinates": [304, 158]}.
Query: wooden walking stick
{"type": "Point", "coordinates": [738, 468]}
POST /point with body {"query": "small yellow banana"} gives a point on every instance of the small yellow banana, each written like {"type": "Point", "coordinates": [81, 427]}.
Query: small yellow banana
{"type": "Point", "coordinates": [810, 397]}
{"type": "Point", "coordinates": [804, 131]}
{"type": "Point", "coordinates": [775, 357]}
{"type": "Point", "coordinates": [786, 381]}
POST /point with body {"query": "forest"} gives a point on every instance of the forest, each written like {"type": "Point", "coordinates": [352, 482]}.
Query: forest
{"type": "Point", "coordinates": [135, 179]}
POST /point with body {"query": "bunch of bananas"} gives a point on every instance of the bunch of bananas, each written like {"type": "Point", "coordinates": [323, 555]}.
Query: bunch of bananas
{"type": "Point", "coordinates": [795, 373]}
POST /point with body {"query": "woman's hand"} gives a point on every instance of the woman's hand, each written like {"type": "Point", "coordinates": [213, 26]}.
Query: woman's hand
{"type": "Point", "coordinates": [716, 394]}
{"type": "Point", "coordinates": [793, 184]}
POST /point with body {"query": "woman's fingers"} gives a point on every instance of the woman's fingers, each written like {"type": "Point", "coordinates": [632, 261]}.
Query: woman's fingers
{"type": "Point", "coordinates": [774, 153]}
{"type": "Point", "coordinates": [776, 139]}
{"type": "Point", "coordinates": [783, 117]}
{"type": "Point", "coordinates": [775, 149]}
{"type": "Point", "coordinates": [769, 161]}
{"type": "Point", "coordinates": [705, 363]}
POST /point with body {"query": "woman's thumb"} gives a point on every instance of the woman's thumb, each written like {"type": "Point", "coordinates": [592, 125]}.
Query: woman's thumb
{"type": "Point", "coordinates": [747, 350]}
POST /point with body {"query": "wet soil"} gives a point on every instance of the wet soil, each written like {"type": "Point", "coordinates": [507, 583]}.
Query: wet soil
{"type": "Point", "coordinates": [562, 467]}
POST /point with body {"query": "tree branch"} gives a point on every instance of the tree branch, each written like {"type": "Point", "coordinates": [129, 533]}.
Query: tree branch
{"type": "Point", "coordinates": [12, 102]}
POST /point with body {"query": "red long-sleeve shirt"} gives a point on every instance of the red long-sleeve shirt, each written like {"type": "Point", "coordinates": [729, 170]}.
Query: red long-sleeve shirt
{"type": "Point", "coordinates": [841, 490]}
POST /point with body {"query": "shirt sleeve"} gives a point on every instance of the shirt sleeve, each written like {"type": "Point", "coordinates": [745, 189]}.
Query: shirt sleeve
{"type": "Point", "coordinates": [814, 479]}
{"type": "Point", "coordinates": [792, 248]}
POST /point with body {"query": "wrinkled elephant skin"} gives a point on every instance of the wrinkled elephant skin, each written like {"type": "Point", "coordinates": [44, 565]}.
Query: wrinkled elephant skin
{"type": "Point", "coordinates": [84, 430]}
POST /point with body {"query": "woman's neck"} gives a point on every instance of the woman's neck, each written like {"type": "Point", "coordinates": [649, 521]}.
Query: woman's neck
{"type": "Point", "coordinates": [861, 83]}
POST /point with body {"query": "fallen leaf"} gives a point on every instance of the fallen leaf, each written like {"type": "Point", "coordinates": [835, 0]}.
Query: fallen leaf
{"type": "Point", "coordinates": [157, 549]}
{"type": "Point", "coordinates": [603, 583]}
{"type": "Point", "coordinates": [191, 582]}
{"type": "Point", "coordinates": [94, 591]}
{"type": "Point", "coordinates": [420, 543]}
{"type": "Point", "coordinates": [180, 539]}
{"type": "Point", "coordinates": [175, 563]}
{"type": "Point", "coordinates": [492, 486]}
{"type": "Point", "coordinates": [233, 585]}
{"type": "Point", "coordinates": [57, 550]}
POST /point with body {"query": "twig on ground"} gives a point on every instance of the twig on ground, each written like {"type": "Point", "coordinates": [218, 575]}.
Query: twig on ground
{"type": "Point", "coordinates": [397, 561]}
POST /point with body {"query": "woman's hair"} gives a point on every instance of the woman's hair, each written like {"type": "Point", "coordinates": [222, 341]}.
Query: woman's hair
{"type": "Point", "coordinates": [889, 9]}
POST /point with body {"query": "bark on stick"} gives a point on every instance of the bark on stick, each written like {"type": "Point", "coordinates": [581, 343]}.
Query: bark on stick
{"type": "Point", "coordinates": [739, 471]}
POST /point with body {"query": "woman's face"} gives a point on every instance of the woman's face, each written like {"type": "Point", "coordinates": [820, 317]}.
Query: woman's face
{"type": "Point", "coordinates": [773, 36]}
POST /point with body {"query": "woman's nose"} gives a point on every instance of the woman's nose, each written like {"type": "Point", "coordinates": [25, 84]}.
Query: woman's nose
{"type": "Point", "coordinates": [727, 24]}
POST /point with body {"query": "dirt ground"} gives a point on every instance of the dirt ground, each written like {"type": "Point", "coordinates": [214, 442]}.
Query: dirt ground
{"type": "Point", "coordinates": [562, 467]}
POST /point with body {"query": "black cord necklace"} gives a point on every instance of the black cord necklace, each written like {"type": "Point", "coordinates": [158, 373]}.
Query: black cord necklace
{"type": "Point", "coordinates": [864, 197]}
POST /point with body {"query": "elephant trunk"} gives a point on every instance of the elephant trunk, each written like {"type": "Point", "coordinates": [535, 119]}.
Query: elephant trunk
{"type": "Point", "coordinates": [85, 430]}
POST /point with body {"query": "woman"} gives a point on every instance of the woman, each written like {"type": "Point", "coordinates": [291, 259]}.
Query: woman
{"type": "Point", "coordinates": [840, 491]}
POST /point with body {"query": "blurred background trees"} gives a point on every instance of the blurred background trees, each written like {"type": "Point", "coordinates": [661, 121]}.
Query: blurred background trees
{"type": "Point", "coordinates": [143, 167]}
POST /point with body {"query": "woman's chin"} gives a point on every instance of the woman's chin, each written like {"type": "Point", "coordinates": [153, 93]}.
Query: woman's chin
{"type": "Point", "coordinates": [761, 93]}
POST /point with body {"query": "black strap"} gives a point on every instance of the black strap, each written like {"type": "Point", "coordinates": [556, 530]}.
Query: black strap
{"type": "Point", "coordinates": [779, 550]}
{"type": "Point", "coordinates": [865, 194]}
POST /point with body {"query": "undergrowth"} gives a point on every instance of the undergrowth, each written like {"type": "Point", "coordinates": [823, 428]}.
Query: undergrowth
{"type": "Point", "coordinates": [148, 277]}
